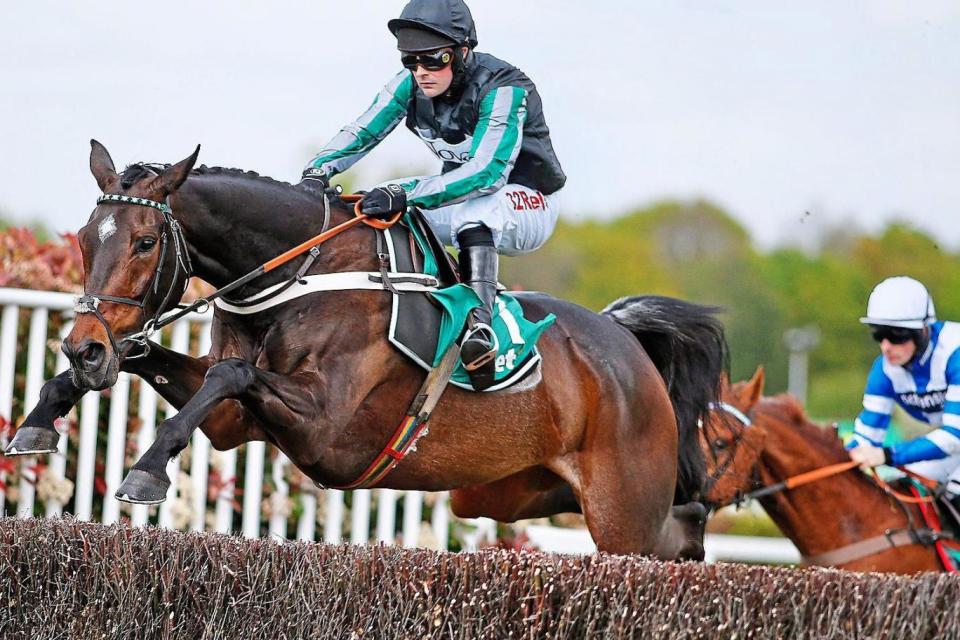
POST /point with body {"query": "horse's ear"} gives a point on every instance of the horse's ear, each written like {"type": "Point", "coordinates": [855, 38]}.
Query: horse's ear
{"type": "Point", "coordinates": [101, 166]}
{"type": "Point", "coordinates": [172, 177]}
{"type": "Point", "coordinates": [751, 392]}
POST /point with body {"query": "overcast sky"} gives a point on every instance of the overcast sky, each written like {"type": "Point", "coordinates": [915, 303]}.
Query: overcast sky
{"type": "Point", "coordinates": [848, 110]}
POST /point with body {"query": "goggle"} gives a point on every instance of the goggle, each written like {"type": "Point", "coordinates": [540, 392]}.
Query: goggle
{"type": "Point", "coordinates": [895, 335]}
{"type": "Point", "coordinates": [434, 61]}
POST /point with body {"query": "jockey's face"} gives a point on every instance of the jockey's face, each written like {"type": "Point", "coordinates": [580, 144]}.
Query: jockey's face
{"type": "Point", "coordinates": [898, 354]}
{"type": "Point", "coordinates": [434, 82]}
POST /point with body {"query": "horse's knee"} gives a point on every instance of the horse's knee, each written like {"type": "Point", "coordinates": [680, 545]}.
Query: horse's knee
{"type": "Point", "coordinates": [232, 376]}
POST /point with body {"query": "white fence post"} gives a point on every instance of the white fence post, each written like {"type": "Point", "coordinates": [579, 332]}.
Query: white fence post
{"type": "Point", "coordinates": [116, 446]}
{"type": "Point", "coordinates": [58, 460]}
{"type": "Point", "coordinates": [200, 454]}
{"type": "Point", "coordinates": [360, 517]}
{"type": "Point", "coordinates": [386, 516]}
{"type": "Point", "coordinates": [281, 492]}
{"type": "Point", "coordinates": [253, 488]}
{"type": "Point", "coordinates": [8, 362]}
{"type": "Point", "coordinates": [36, 350]}
{"type": "Point", "coordinates": [147, 414]}
{"type": "Point", "coordinates": [333, 531]}
{"type": "Point", "coordinates": [228, 475]}
{"type": "Point", "coordinates": [86, 455]}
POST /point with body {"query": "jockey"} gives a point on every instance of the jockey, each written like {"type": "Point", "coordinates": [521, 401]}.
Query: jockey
{"type": "Point", "coordinates": [498, 190]}
{"type": "Point", "coordinates": [919, 369]}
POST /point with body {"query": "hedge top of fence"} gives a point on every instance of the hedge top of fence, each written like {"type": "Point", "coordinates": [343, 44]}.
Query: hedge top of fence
{"type": "Point", "coordinates": [60, 577]}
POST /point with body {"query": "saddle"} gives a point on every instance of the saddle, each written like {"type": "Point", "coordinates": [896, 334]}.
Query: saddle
{"type": "Point", "coordinates": [941, 521]}
{"type": "Point", "coordinates": [423, 326]}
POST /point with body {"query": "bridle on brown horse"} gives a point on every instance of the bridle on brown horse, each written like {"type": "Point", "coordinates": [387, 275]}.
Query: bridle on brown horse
{"type": "Point", "coordinates": [90, 302]}
{"type": "Point", "coordinates": [721, 469]}
{"type": "Point", "coordinates": [891, 538]}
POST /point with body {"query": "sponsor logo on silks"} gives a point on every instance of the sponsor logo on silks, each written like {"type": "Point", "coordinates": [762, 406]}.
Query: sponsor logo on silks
{"type": "Point", "coordinates": [506, 361]}
{"type": "Point", "coordinates": [448, 151]}
{"type": "Point", "coordinates": [523, 201]}
{"type": "Point", "coordinates": [395, 189]}
{"type": "Point", "coordinates": [929, 401]}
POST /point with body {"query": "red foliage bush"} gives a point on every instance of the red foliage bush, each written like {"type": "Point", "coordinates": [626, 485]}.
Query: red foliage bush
{"type": "Point", "coordinates": [29, 263]}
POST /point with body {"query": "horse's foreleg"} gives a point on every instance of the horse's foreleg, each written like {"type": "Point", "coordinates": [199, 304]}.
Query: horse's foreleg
{"type": "Point", "coordinates": [147, 481]}
{"type": "Point", "coordinates": [175, 376]}
{"type": "Point", "coordinates": [37, 433]}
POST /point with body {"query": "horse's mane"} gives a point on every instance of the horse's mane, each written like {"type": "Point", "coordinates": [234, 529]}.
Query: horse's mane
{"type": "Point", "coordinates": [139, 170]}
{"type": "Point", "coordinates": [786, 407]}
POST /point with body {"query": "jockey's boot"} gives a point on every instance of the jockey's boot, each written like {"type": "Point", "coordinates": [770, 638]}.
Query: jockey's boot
{"type": "Point", "coordinates": [478, 269]}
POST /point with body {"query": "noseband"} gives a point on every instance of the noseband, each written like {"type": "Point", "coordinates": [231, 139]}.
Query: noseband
{"type": "Point", "coordinates": [90, 302]}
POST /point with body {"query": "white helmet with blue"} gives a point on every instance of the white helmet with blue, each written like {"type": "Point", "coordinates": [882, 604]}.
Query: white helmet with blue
{"type": "Point", "coordinates": [900, 301]}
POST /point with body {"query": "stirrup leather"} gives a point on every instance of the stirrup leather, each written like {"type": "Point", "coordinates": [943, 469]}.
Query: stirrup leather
{"type": "Point", "coordinates": [477, 363]}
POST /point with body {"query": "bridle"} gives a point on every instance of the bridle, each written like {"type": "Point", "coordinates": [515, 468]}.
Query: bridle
{"type": "Point", "coordinates": [721, 469]}
{"type": "Point", "coordinates": [172, 232]}
{"type": "Point", "coordinates": [90, 302]}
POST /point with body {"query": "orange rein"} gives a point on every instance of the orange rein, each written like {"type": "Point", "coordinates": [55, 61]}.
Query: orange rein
{"type": "Point", "coordinates": [303, 247]}
{"type": "Point", "coordinates": [833, 469]}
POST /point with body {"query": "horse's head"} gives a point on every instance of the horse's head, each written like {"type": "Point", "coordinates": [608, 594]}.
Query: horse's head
{"type": "Point", "coordinates": [732, 444]}
{"type": "Point", "coordinates": [134, 261]}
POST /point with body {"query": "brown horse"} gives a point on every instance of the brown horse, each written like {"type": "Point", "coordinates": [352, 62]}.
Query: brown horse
{"type": "Point", "coordinates": [317, 377]}
{"type": "Point", "coordinates": [831, 521]}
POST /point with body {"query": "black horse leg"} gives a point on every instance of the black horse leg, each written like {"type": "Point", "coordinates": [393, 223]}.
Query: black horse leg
{"type": "Point", "coordinates": [175, 376]}
{"type": "Point", "coordinates": [37, 433]}
{"type": "Point", "coordinates": [147, 482]}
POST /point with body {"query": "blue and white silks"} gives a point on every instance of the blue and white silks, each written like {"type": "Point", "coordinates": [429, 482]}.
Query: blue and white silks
{"type": "Point", "coordinates": [928, 388]}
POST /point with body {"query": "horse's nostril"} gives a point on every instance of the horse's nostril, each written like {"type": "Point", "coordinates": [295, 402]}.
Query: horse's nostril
{"type": "Point", "coordinates": [91, 356]}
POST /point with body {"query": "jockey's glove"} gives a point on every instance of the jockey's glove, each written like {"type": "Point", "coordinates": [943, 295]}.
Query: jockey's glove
{"type": "Point", "coordinates": [315, 179]}
{"type": "Point", "coordinates": [383, 202]}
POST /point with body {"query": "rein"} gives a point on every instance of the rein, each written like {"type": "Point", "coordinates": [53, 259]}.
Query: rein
{"type": "Point", "coordinates": [89, 303]}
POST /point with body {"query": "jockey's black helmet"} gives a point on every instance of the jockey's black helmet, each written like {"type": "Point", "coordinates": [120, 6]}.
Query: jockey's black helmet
{"type": "Point", "coordinates": [427, 25]}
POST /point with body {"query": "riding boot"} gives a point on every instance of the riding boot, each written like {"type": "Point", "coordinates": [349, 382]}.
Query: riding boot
{"type": "Point", "coordinates": [478, 270]}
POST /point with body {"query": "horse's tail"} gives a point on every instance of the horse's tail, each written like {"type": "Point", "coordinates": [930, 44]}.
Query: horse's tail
{"type": "Point", "coordinates": [687, 345]}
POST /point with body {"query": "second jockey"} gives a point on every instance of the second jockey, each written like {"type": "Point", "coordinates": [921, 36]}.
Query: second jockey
{"type": "Point", "coordinates": [498, 191]}
{"type": "Point", "coordinates": [918, 369]}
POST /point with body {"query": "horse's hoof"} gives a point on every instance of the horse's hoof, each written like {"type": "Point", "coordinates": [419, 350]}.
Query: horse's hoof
{"type": "Point", "coordinates": [140, 487]}
{"type": "Point", "coordinates": [33, 440]}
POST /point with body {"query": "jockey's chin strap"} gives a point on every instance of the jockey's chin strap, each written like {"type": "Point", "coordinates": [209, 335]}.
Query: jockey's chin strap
{"type": "Point", "coordinates": [90, 302]}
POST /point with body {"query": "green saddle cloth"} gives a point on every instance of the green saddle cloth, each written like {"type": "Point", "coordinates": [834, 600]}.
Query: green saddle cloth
{"type": "Point", "coordinates": [516, 335]}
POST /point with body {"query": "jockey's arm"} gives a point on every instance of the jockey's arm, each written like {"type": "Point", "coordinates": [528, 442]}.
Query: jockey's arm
{"type": "Point", "coordinates": [496, 144]}
{"type": "Point", "coordinates": [359, 137]}
{"type": "Point", "coordinates": [942, 442]}
{"type": "Point", "coordinates": [870, 427]}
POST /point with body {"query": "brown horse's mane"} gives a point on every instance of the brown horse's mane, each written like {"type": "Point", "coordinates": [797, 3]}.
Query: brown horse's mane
{"type": "Point", "coordinates": [789, 408]}
{"type": "Point", "coordinates": [139, 170]}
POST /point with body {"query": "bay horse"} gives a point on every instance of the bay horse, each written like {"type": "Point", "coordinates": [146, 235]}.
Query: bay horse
{"type": "Point", "coordinates": [318, 378]}
{"type": "Point", "coordinates": [832, 521]}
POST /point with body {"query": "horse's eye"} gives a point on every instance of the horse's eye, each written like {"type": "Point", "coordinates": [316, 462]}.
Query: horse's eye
{"type": "Point", "coordinates": [144, 245]}
{"type": "Point", "coordinates": [720, 444]}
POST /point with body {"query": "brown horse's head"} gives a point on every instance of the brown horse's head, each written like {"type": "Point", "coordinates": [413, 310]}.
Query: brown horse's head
{"type": "Point", "coordinates": [732, 446]}
{"type": "Point", "coordinates": [129, 265]}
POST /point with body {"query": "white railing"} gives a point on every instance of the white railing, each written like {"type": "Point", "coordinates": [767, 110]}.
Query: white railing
{"type": "Point", "coordinates": [202, 505]}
